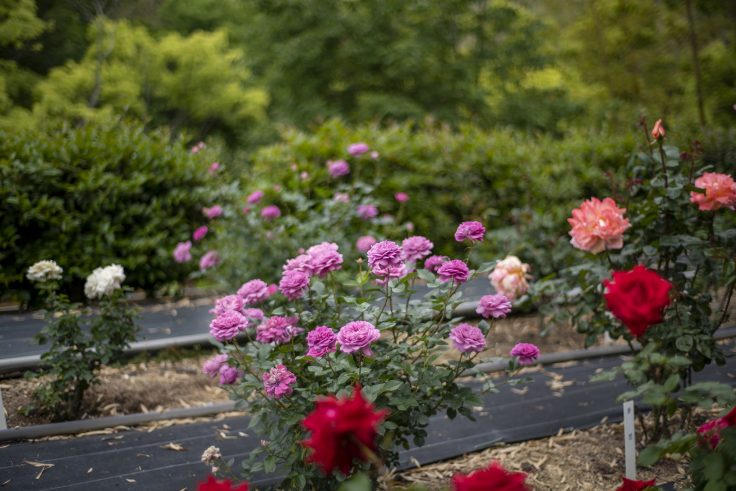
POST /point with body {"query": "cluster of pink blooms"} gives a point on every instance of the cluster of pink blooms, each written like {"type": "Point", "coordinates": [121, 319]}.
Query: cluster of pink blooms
{"type": "Point", "coordinates": [198, 147]}
{"type": "Point", "coordinates": [525, 353]}
{"type": "Point", "coordinates": [366, 212]}
{"type": "Point", "coordinates": [229, 302]}
{"type": "Point", "coordinates": [278, 330]}
{"type": "Point", "coordinates": [495, 306]}
{"type": "Point", "coordinates": [270, 212]}
{"type": "Point", "coordinates": [358, 149]}
{"type": "Point", "coordinates": [468, 338]}
{"type": "Point", "coordinates": [212, 212]}
{"type": "Point", "coordinates": [415, 248]}
{"type": "Point", "coordinates": [364, 243]}
{"type": "Point", "coordinates": [720, 192]}
{"type": "Point", "coordinates": [509, 277]}
{"type": "Point", "coordinates": [598, 226]}
{"type": "Point", "coordinates": [183, 252]}
{"type": "Point", "coordinates": [318, 260]}
{"type": "Point", "coordinates": [338, 168]}
{"type": "Point", "coordinates": [217, 365]}
{"type": "Point", "coordinates": [278, 382]}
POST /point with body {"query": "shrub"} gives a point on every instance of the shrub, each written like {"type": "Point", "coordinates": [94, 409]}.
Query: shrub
{"type": "Point", "coordinates": [96, 194]}
{"type": "Point", "coordinates": [81, 340]}
{"type": "Point", "coordinates": [451, 175]}
{"type": "Point", "coordinates": [341, 327]}
{"type": "Point", "coordinates": [661, 271]}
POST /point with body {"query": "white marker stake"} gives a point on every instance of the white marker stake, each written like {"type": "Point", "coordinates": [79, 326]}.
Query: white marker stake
{"type": "Point", "coordinates": [629, 440]}
{"type": "Point", "coordinates": [3, 423]}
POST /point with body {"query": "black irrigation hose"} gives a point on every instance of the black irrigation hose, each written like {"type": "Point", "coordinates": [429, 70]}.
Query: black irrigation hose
{"type": "Point", "coordinates": [70, 427]}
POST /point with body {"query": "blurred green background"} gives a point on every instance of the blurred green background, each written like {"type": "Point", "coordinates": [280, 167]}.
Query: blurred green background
{"type": "Point", "coordinates": [536, 102]}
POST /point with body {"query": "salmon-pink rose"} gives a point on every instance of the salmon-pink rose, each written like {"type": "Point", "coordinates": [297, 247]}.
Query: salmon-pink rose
{"type": "Point", "coordinates": [658, 130]}
{"type": "Point", "coordinates": [720, 192]}
{"type": "Point", "coordinates": [509, 277]}
{"type": "Point", "coordinates": [598, 225]}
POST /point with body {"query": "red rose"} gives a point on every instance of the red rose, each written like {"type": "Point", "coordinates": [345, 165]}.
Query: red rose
{"type": "Point", "coordinates": [342, 430]}
{"type": "Point", "coordinates": [213, 484]}
{"type": "Point", "coordinates": [492, 478]}
{"type": "Point", "coordinates": [637, 298]}
{"type": "Point", "coordinates": [710, 431]}
{"type": "Point", "coordinates": [632, 485]}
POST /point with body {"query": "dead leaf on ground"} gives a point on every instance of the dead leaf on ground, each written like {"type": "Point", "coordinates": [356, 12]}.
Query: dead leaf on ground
{"type": "Point", "coordinates": [173, 446]}
{"type": "Point", "coordinates": [40, 465]}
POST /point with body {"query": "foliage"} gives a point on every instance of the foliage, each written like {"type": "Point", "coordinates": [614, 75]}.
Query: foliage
{"type": "Point", "coordinates": [195, 82]}
{"type": "Point", "coordinates": [507, 176]}
{"type": "Point", "coordinates": [82, 341]}
{"type": "Point", "coordinates": [409, 371]}
{"type": "Point", "coordinates": [692, 249]}
{"type": "Point", "coordinates": [94, 194]}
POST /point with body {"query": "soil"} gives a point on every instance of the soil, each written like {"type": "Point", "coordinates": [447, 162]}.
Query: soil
{"type": "Point", "coordinates": [173, 379]}
{"type": "Point", "coordinates": [587, 460]}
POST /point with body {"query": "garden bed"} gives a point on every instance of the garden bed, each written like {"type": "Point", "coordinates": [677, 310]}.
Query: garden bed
{"type": "Point", "coordinates": [173, 379]}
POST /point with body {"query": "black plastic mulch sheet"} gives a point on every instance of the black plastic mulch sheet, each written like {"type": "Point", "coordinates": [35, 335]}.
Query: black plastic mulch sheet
{"type": "Point", "coordinates": [557, 398]}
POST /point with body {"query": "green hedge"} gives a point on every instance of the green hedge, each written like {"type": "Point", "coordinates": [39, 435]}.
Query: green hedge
{"type": "Point", "coordinates": [455, 175]}
{"type": "Point", "coordinates": [89, 196]}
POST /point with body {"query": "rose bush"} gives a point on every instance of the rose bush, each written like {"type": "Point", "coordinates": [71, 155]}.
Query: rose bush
{"type": "Point", "coordinates": [354, 323]}
{"type": "Point", "coordinates": [659, 269]}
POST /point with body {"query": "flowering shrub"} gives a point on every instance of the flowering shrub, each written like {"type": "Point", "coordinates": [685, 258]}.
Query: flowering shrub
{"type": "Point", "coordinates": [332, 200]}
{"type": "Point", "coordinates": [81, 339]}
{"type": "Point", "coordinates": [331, 329]}
{"type": "Point", "coordinates": [659, 269]}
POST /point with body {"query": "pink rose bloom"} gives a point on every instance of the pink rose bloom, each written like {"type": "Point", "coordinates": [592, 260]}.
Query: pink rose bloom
{"type": "Point", "coordinates": [321, 340]}
{"type": "Point", "coordinates": [363, 244]}
{"type": "Point", "coordinates": [473, 231]}
{"type": "Point", "coordinates": [212, 366]}
{"type": "Point", "coordinates": [229, 375]}
{"type": "Point", "coordinates": [299, 263]}
{"type": "Point", "coordinates": [245, 210]}
{"type": "Point", "coordinates": [200, 233]}
{"type": "Point", "coordinates": [401, 197]}
{"type": "Point", "coordinates": [338, 168]}
{"type": "Point", "coordinates": [254, 197]}
{"type": "Point", "coordinates": [214, 167]}
{"type": "Point", "coordinates": [467, 338]}
{"type": "Point", "coordinates": [366, 212]}
{"type": "Point", "coordinates": [270, 212]}
{"type": "Point", "coordinates": [212, 212]}
{"type": "Point", "coordinates": [304, 175]}
{"type": "Point", "coordinates": [598, 225]}
{"type": "Point", "coordinates": [375, 155]}
{"type": "Point", "coordinates": [386, 274]}
{"type": "Point", "coordinates": [720, 192]}
{"type": "Point", "coordinates": [227, 325]}
{"type": "Point", "coordinates": [342, 197]}
{"type": "Point", "coordinates": [658, 130]}
{"type": "Point", "coordinates": [209, 260]}
{"type": "Point", "coordinates": [253, 292]}
{"type": "Point", "coordinates": [416, 248]}
{"type": "Point", "coordinates": [495, 306]}
{"type": "Point", "coordinates": [229, 302]}
{"type": "Point", "coordinates": [324, 258]}
{"type": "Point", "coordinates": [357, 149]}
{"type": "Point", "coordinates": [253, 314]}
{"type": "Point", "coordinates": [454, 270]}
{"type": "Point", "coordinates": [526, 353]}
{"type": "Point", "coordinates": [509, 277]}
{"type": "Point", "coordinates": [384, 259]}
{"type": "Point", "coordinates": [271, 290]}
{"type": "Point", "coordinates": [357, 336]}
{"type": "Point", "coordinates": [278, 382]}
{"type": "Point", "coordinates": [278, 330]}
{"type": "Point", "coordinates": [432, 263]}
{"type": "Point", "coordinates": [183, 252]}
{"type": "Point", "coordinates": [293, 284]}
{"type": "Point", "coordinates": [198, 147]}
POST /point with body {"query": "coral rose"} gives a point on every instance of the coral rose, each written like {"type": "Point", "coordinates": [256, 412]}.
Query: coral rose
{"type": "Point", "coordinates": [598, 225]}
{"type": "Point", "coordinates": [341, 430]}
{"type": "Point", "coordinates": [637, 298]}
{"type": "Point", "coordinates": [720, 192]}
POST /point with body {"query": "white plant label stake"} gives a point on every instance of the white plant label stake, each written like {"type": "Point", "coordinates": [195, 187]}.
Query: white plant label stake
{"type": "Point", "coordinates": [629, 440]}
{"type": "Point", "coordinates": [3, 423]}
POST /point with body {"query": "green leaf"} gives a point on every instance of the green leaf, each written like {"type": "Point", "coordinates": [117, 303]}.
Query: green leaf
{"type": "Point", "coordinates": [357, 482]}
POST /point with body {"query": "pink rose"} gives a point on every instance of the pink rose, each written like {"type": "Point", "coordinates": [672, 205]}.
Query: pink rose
{"type": "Point", "coordinates": [720, 192]}
{"type": "Point", "coordinates": [401, 197]}
{"type": "Point", "coordinates": [200, 233]}
{"type": "Point", "coordinates": [209, 260]}
{"type": "Point", "coordinates": [363, 244]}
{"type": "Point", "coordinates": [357, 149]}
{"type": "Point", "coordinates": [598, 225]}
{"type": "Point", "coordinates": [526, 353]}
{"type": "Point", "coordinates": [509, 277]}
{"type": "Point", "coordinates": [182, 252]}
{"type": "Point", "coordinates": [270, 212]}
{"type": "Point", "coordinates": [658, 131]}
{"type": "Point", "coordinates": [357, 336]}
{"type": "Point", "coordinates": [254, 197]}
{"type": "Point", "coordinates": [212, 212]}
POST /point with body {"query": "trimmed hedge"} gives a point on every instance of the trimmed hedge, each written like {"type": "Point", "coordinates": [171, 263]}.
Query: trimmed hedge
{"type": "Point", "coordinates": [94, 195]}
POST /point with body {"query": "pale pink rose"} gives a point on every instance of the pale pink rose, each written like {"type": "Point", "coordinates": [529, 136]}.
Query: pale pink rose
{"type": "Point", "coordinates": [342, 197]}
{"type": "Point", "coordinates": [598, 225]}
{"type": "Point", "coordinates": [214, 167]}
{"type": "Point", "coordinates": [720, 192]}
{"type": "Point", "coordinates": [357, 149]}
{"type": "Point", "coordinates": [509, 277]}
